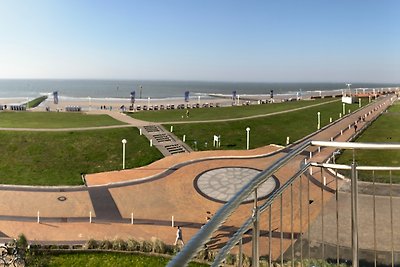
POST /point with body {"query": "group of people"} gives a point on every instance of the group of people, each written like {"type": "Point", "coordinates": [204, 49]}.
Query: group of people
{"type": "Point", "coordinates": [104, 107]}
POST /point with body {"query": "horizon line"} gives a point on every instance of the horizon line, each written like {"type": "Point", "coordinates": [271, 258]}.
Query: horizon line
{"type": "Point", "coordinates": [194, 80]}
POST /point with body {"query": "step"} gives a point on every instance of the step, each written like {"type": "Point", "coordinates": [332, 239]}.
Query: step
{"type": "Point", "coordinates": [162, 137]}
{"type": "Point", "coordinates": [152, 128]}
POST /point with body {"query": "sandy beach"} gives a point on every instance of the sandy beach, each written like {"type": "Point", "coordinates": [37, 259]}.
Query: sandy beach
{"type": "Point", "coordinates": [116, 104]}
{"type": "Point", "coordinates": [123, 104]}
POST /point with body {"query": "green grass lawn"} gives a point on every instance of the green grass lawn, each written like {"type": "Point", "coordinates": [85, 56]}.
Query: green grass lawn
{"type": "Point", "coordinates": [264, 131]}
{"type": "Point", "coordinates": [58, 158]}
{"type": "Point", "coordinates": [102, 259]}
{"type": "Point", "coordinates": [36, 102]}
{"type": "Point", "coordinates": [386, 129]}
{"type": "Point", "coordinates": [54, 120]}
{"type": "Point", "coordinates": [222, 112]}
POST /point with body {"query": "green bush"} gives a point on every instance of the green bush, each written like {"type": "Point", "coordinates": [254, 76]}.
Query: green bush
{"type": "Point", "coordinates": [171, 249]}
{"type": "Point", "coordinates": [158, 246]}
{"type": "Point", "coordinates": [119, 244]}
{"type": "Point", "coordinates": [92, 244]}
{"type": "Point", "coordinates": [132, 245]}
{"type": "Point", "coordinates": [230, 259]}
{"type": "Point", "coordinates": [22, 242]}
{"type": "Point", "coordinates": [106, 244]}
{"type": "Point", "coordinates": [146, 246]}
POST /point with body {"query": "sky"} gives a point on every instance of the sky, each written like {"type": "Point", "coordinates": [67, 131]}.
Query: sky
{"type": "Point", "coordinates": [202, 40]}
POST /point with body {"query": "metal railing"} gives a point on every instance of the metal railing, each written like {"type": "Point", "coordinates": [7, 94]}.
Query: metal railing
{"type": "Point", "coordinates": [310, 206]}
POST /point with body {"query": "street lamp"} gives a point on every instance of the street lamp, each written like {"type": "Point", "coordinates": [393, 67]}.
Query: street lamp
{"type": "Point", "coordinates": [319, 120]}
{"type": "Point", "coordinates": [248, 138]}
{"type": "Point", "coordinates": [348, 87]}
{"type": "Point", "coordinates": [123, 153]}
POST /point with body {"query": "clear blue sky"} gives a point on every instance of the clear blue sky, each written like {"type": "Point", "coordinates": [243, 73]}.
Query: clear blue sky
{"type": "Point", "coordinates": [220, 40]}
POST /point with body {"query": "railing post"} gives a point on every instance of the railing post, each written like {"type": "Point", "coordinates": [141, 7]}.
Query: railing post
{"type": "Point", "coordinates": [354, 214]}
{"type": "Point", "coordinates": [240, 253]}
{"type": "Point", "coordinates": [256, 232]}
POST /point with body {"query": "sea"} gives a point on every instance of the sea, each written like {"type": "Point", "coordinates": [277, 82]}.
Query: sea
{"type": "Point", "coordinates": [31, 88]}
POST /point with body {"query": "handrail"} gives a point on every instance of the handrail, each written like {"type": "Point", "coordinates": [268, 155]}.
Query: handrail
{"type": "Point", "coordinates": [352, 145]}
{"type": "Point", "coordinates": [348, 167]}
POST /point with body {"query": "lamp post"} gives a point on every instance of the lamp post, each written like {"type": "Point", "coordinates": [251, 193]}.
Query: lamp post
{"type": "Point", "coordinates": [319, 120]}
{"type": "Point", "coordinates": [344, 109]}
{"type": "Point", "coordinates": [248, 138]}
{"type": "Point", "coordinates": [348, 88]}
{"type": "Point", "coordinates": [123, 153]}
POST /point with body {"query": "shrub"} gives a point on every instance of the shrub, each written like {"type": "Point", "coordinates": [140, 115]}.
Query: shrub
{"type": "Point", "coordinates": [22, 242]}
{"type": "Point", "coordinates": [105, 244]}
{"type": "Point", "coordinates": [92, 244]}
{"type": "Point", "coordinates": [158, 246]}
{"type": "Point", "coordinates": [170, 249]}
{"type": "Point", "coordinates": [132, 245]}
{"type": "Point", "coordinates": [119, 244]}
{"type": "Point", "coordinates": [246, 260]}
{"type": "Point", "coordinates": [146, 246]}
{"type": "Point", "coordinates": [230, 259]}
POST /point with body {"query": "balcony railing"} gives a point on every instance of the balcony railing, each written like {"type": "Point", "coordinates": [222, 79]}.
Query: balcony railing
{"type": "Point", "coordinates": [316, 214]}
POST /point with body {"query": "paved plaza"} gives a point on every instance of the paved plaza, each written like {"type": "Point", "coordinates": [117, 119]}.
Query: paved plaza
{"type": "Point", "coordinates": [184, 188]}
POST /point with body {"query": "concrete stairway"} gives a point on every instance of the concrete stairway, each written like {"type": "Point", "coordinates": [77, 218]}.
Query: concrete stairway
{"type": "Point", "coordinates": [166, 142]}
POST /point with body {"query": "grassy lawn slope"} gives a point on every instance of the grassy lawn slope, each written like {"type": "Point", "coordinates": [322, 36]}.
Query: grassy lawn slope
{"type": "Point", "coordinates": [54, 120]}
{"type": "Point", "coordinates": [58, 158]}
{"type": "Point", "coordinates": [200, 114]}
{"type": "Point", "coordinates": [386, 129]}
{"type": "Point", "coordinates": [264, 131]}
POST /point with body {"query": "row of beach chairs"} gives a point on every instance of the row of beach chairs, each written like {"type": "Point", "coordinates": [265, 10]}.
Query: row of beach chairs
{"type": "Point", "coordinates": [13, 107]}
{"type": "Point", "coordinates": [73, 108]}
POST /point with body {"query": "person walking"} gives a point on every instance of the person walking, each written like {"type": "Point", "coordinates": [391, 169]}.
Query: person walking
{"type": "Point", "coordinates": [179, 237]}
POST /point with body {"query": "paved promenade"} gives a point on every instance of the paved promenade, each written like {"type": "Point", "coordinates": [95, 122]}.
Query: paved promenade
{"type": "Point", "coordinates": [182, 187]}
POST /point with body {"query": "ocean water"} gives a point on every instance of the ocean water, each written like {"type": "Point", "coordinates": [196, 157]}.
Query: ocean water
{"type": "Point", "coordinates": [160, 89]}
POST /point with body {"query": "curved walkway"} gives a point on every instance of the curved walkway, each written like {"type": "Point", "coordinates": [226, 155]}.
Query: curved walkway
{"type": "Point", "coordinates": [151, 197]}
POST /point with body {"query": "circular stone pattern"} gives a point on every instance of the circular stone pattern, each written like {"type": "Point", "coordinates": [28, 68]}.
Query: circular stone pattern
{"type": "Point", "coordinates": [222, 183]}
